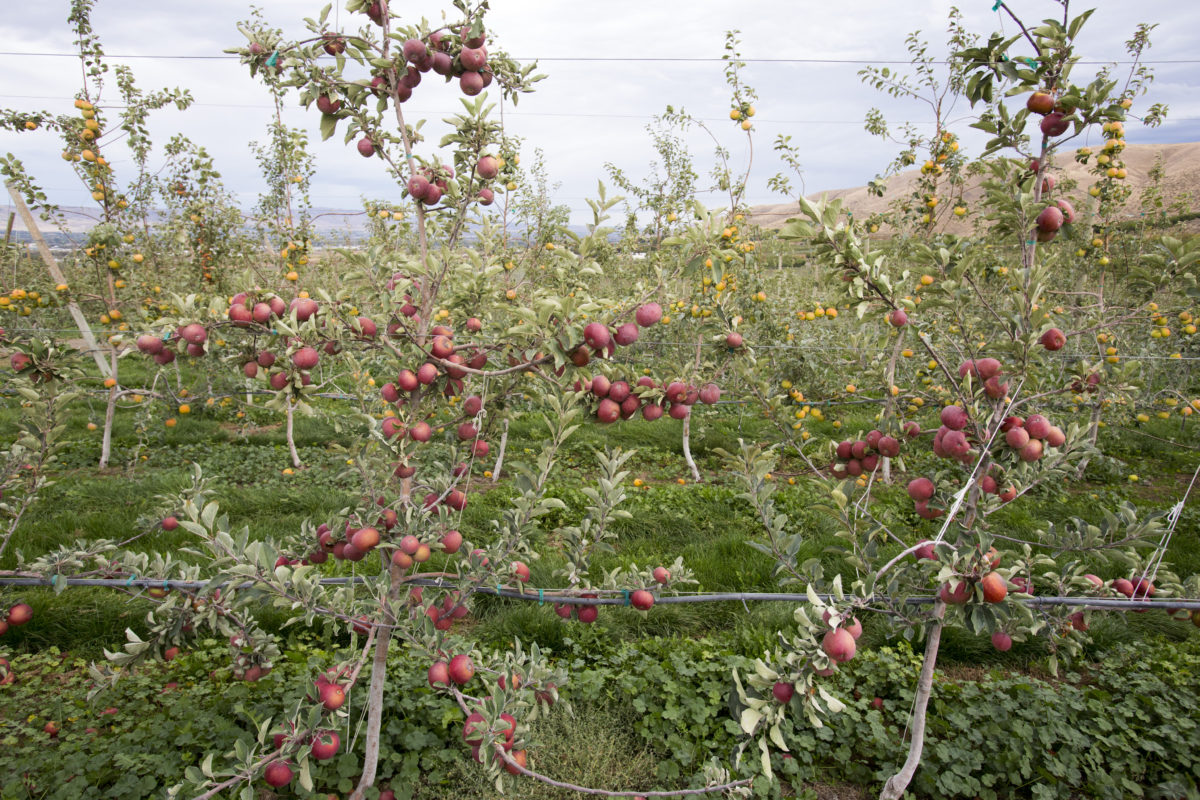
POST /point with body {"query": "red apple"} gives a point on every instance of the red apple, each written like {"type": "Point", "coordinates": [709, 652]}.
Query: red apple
{"type": "Point", "coordinates": [649, 314]}
{"type": "Point", "coordinates": [839, 645]}
{"type": "Point", "coordinates": [642, 600]}
{"type": "Point", "coordinates": [325, 745]}
{"type": "Point", "coordinates": [278, 774]}
{"type": "Point", "coordinates": [461, 669]}
{"type": "Point", "coordinates": [1053, 339]}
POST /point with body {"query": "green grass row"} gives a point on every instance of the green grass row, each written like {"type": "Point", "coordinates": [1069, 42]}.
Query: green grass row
{"type": "Point", "coordinates": [706, 524]}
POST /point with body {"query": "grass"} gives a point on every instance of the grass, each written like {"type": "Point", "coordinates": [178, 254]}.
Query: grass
{"type": "Point", "coordinates": [593, 747]}
{"type": "Point", "coordinates": [706, 524]}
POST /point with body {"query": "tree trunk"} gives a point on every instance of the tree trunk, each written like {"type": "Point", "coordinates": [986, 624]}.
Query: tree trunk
{"type": "Point", "coordinates": [383, 638]}
{"type": "Point", "coordinates": [291, 439]}
{"type": "Point", "coordinates": [110, 412]}
{"type": "Point", "coordinates": [687, 448]}
{"type": "Point", "coordinates": [500, 454]}
{"type": "Point", "coordinates": [896, 785]}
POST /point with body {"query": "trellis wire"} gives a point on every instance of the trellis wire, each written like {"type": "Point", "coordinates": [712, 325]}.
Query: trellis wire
{"type": "Point", "coordinates": [620, 598]}
{"type": "Point", "coordinates": [805, 346]}
{"type": "Point", "coordinates": [1172, 520]}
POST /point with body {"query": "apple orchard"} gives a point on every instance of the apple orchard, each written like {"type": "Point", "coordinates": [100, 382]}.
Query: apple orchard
{"type": "Point", "coordinates": [487, 506]}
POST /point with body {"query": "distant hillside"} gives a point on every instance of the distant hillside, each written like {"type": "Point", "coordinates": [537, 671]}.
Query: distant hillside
{"type": "Point", "coordinates": [1180, 161]}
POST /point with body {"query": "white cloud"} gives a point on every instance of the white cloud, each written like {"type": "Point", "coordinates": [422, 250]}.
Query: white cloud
{"type": "Point", "coordinates": [586, 113]}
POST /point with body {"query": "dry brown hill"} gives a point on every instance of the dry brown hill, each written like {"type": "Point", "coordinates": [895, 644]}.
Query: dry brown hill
{"type": "Point", "coordinates": [1181, 163]}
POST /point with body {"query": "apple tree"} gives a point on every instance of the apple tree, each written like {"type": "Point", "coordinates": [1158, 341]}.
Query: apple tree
{"type": "Point", "coordinates": [999, 436]}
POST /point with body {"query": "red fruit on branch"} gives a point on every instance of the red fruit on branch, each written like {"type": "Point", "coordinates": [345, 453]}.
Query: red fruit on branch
{"type": "Point", "coordinates": [1053, 339]}
{"type": "Point", "coordinates": [995, 588]}
{"type": "Point", "coordinates": [648, 314]}
{"type": "Point", "coordinates": [305, 358]}
{"type": "Point", "coordinates": [921, 489]}
{"type": "Point", "coordinates": [1055, 124]}
{"type": "Point", "coordinates": [20, 614]}
{"type": "Point", "coordinates": [471, 83]}
{"type": "Point", "coordinates": [439, 674]}
{"type": "Point", "coordinates": [325, 745]}
{"type": "Point", "coordinates": [473, 59]}
{"type": "Point", "coordinates": [954, 418]}
{"type": "Point", "coordinates": [957, 595]}
{"type": "Point", "coordinates": [461, 669]}
{"type": "Point", "coordinates": [332, 697]}
{"type": "Point", "coordinates": [1016, 438]}
{"type": "Point", "coordinates": [1050, 219]}
{"type": "Point", "coordinates": [642, 600]}
{"type": "Point", "coordinates": [1040, 103]}
{"type": "Point", "coordinates": [839, 645]}
{"type": "Point", "coordinates": [627, 334]}
{"type": "Point", "coordinates": [1037, 426]}
{"type": "Point", "coordinates": [596, 335]}
{"type": "Point", "coordinates": [488, 167]}
{"type": "Point", "coordinates": [278, 774]}
{"type": "Point", "coordinates": [1068, 211]}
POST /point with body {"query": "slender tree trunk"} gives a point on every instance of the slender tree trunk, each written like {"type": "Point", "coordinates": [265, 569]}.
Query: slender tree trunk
{"type": "Point", "coordinates": [291, 438]}
{"type": "Point", "coordinates": [110, 412]}
{"type": "Point", "coordinates": [896, 785]}
{"type": "Point", "coordinates": [687, 421]}
{"type": "Point", "coordinates": [500, 454]}
{"type": "Point", "coordinates": [383, 638]}
{"type": "Point", "coordinates": [687, 448]}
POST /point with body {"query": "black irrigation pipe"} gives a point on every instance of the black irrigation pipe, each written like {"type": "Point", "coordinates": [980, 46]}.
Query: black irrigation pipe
{"type": "Point", "coordinates": [621, 598]}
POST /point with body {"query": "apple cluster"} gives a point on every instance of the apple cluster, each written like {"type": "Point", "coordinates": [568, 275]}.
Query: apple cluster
{"type": "Point", "coordinates": [642, 599]}
{"type": "Point", "coordinates": [862, 456]}
{"type": "Point", "coordinates": [330, 692]}
{"type": "Point", "coordinates": [39, 371]}
{"type": "Point", "coordinates": [839, 644]}
{"type": "Point", "coordinates": [1029, 437]}
{"type": "Point", "coordinates": [1056, 118]}
{"type": "Point", "coordinates": [620, 400]}
{"type": "Point", "coordinates": [463, 56]}
{"type": "Point", "coordinates": [246, 666]}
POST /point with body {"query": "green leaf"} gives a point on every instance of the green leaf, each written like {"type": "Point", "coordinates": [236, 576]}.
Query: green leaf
{"type": "Point", "coordinates": [328, 126]}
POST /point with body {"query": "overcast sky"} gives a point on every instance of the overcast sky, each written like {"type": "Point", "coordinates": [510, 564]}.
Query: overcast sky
{"type": "Point", "coordinates": [587, 112]}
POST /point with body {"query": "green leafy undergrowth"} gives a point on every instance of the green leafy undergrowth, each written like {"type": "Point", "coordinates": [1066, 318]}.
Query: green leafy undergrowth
{"type": "Point", "coordinates": [1125, 726]}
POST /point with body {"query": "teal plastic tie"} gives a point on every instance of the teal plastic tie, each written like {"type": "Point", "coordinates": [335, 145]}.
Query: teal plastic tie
{"type": "Point", "coordinates": [166, 586]}
{"type": "Point", "coordinates": [274, 59]}
{"type": "Point", "coordinates": [131, 580]}
{"type": "Point", "coordinates": [996, 5]}
{"type": "Point", "coordinates": [627, 601]}
{"type": "Point", "coordinates": [499, 589]}
{"type": "Point", "coordinates": [54, 579]}
{"type": "Point", "coordinates": [541, 597]}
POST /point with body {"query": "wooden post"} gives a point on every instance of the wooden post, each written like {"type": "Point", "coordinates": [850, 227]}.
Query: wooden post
{"type": "Point", "coordinates": [85, 330]}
